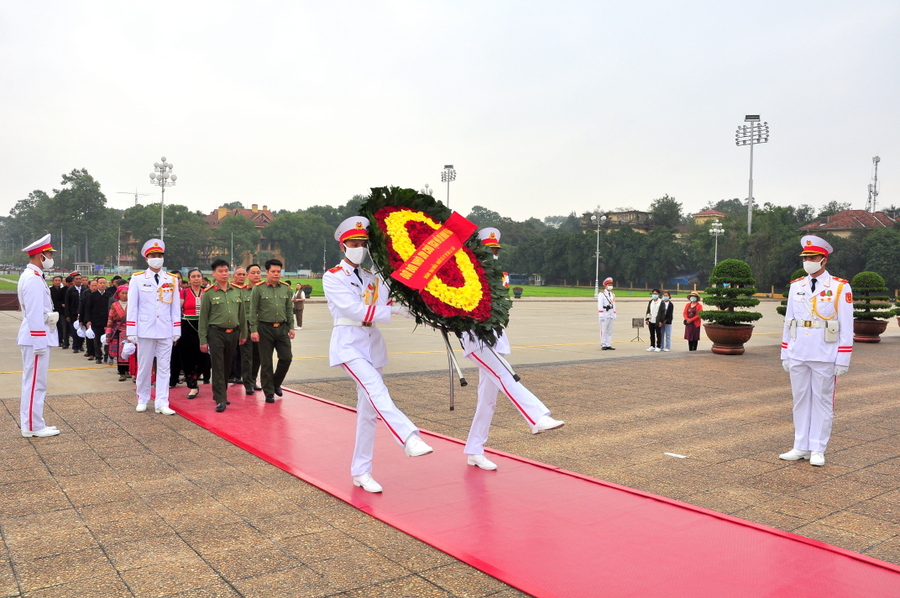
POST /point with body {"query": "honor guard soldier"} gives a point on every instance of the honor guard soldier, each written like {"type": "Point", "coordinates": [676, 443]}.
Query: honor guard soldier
{"type": "Point", "coordinates": [222, 329]}
{"type": "Point", "coordinates": [271, 309]}
{"type": "Point", "coordinates": [815, 348]}
{"type": "Point", "coordinates": [494, 376]}
{"type": "Point", "coordinates": [153, 323]}
{"type": "Point", "coordinates": [36, 333]}
{"type": "Point", "coordinates": [358, 300]}
{"type": "Point", "coordinates": [606, 306]}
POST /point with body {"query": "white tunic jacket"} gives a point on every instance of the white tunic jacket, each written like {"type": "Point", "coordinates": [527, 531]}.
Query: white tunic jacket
{"type": "Point", "coordinates": [154, 309]}
{"type": "Point", "coordinates": [352, 301]}
{"type": "Point", "coordinates": [34, 300]}
{"type": "Point", "coordinates": [832, 301]}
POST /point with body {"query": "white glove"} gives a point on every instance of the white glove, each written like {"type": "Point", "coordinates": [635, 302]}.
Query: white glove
{"type": "Point", "coordinates": [102, 339]}
{"type": "Point", "coordinates": [51, 318]}
{"type": "Point", "coordinates": [398, 309]}
{"type": "Point", "coordinates": [40, 351]}
{"type": "Point", "coordinates": [785, 365]}
{"type": "Point", "coordinates": [175, 338]}
{"type": "Point", "coordinates": [840, 370]}
{"type": "Point", "coordinates": [132, 339]}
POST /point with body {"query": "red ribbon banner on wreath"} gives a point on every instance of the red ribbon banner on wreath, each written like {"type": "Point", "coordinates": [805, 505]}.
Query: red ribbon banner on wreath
{"type": "Point", "coordinates": [439, 247]}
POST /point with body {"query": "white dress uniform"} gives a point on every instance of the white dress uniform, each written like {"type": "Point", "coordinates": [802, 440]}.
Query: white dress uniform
{"type": "Point", "coordinates": [493, 377]}
{"type": "Point", "coordinates": [154, 318]}
{"type": "Point", "coordinates": [606, 307]}
{"type": "Point", "coordinates": [357, 301]}
{"type": "Point", "coordinates": [812, 349]}
{"type": "Point", "coordinates": [34, 334]}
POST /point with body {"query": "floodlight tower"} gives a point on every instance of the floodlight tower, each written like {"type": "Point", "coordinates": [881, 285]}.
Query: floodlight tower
{"type": "Point", "coordinates": [752, 134]}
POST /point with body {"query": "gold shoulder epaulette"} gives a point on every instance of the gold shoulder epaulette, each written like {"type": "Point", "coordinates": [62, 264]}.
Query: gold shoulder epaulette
{"type": "Point", "coordinates": [335, 269]}
{"type": "Point", "coordinates": [138, 273]}
{"type": "Point", "coordinates": [260, 282]}
{"type": "Point", "coordinates": [367, 270]}
{"type": "Point", "coordinates": [843, 280]}
{"type": "Point", "coordinates": [797, 279]}
{"type": "Point", "coordinates": [287, 284]}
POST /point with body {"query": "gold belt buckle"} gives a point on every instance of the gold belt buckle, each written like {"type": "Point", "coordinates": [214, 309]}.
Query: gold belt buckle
{"type": "Point", "coordinates": [808, 323]}
{"type": "Point", "coordinates": [229, 330]}
{"type": "Point", "coordinates": [276, 324]}
{"type": "Point", "coordinates": [367, 324]}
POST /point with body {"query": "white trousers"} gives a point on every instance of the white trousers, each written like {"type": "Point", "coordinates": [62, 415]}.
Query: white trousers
{"type": "Point", "coordinates": [812, 384]}
{"type": "Point", "coordinates": [493, 377]}
{"type": "Point", "coordinates": [606, 327]}
{"type": "Point", "coordinates": [147, 349]}
{"type": "Point", "coordinates": [34, 388]}
{"type": "Point", "coordinates": [373, 401]}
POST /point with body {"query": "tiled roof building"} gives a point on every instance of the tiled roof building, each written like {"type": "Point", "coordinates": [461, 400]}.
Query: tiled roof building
{"type": "Point", "coordinates": [842, 224]}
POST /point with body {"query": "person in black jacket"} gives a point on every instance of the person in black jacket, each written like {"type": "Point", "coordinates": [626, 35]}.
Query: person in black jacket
{"type": "Point", "coordinates": [58, 298]}
{"type": "Point", "coordinates": [655, 316]}
{"type": "Point", "coordinates": [666, 328]}
{"type": "Point", "coordinates": [95, 316]}
{"type": "Point", "coordinates": [74, 296]}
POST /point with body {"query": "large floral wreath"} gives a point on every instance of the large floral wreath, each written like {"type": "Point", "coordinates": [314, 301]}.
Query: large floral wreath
{"type": "Point", "coordinates": [465, 293]}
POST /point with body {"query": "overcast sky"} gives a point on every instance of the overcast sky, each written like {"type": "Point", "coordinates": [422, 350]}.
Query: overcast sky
{"type": "Point", "coordinates": [543, 107]}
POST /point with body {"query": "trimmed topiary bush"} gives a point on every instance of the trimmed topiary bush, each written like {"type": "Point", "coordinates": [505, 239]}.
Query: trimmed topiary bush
{"type": "Point", "coordinates": [733, 287]}
{"type": "Point", "coordinates": [782, 308]}
{"type": "Point", "coordinates": [869, 299]}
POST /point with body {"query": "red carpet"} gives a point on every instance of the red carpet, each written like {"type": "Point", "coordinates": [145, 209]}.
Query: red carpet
{"type": "Point", "coordinates": [541, 529]}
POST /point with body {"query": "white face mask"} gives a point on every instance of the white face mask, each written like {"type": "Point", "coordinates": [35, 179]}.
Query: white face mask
{"type": "Point", "coordinates": [155, 262]}
{"type": "Point", "coordinates": [356, 255]}
{"type": "Point", "coordinates": [609, 287]}
{"type": "Point", "coordinates": [665, 298]}
{"type": "Point", "coordinates": [47, 262]}
{"type": "Point", "coordinates": [812, 267]}
{"type": "Point", "coordinates": [655, 296]}
{"type": "Point", "coordinates": [693, 300]}
{"type": "Point", "coordinates": [496, 257]}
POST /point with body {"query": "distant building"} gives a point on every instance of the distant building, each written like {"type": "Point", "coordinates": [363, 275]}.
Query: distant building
{"type": "Point", "coordinates": [260, 217]}
{"type": "Point", "coordinates": [842, 224]}
{"type": "Point", "coordinates": [708, 215]}
{"type": "Point", "coordinates": [639, 221]}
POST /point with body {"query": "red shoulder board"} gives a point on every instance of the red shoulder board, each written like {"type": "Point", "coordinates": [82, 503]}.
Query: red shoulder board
{"type": "Point", "coordinates": [287, 284]}
{"type": "Point", "coordinates": [840, 279]}
{"type": "Point", "coordinates": [335, 269]}
{"type": "Point", "coordinates": [259, 283]}
{"type": "Point", "coordinates": [797, 279]}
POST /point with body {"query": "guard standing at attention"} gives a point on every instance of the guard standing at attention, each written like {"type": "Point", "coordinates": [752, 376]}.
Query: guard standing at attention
{"type": "Point", "coordinates": [606, 306]}
{"type": "Point", "coordinates": [37, 332]}
{"type": "Point", "coordinates": [494, 377]}
{"type": "Point", "coordinates": [358, 300]}
{"type": "Point", "coordinates": [221, 327]}
{"type": "Point", "coordinates": [271, 308]}
{"type": "Point", "coordinates": [815, 348]}
{"type": "Point", "coordinates": [153, 323]}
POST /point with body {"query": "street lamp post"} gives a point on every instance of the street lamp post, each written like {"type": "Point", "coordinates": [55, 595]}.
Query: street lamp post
{"type": "Point", "coordinates": [163, 177]}
{"type": "Point", "coordinates": [752, 134]}
{"type": "Point", "coordinates": [598, 221]}
{"type": "Point", "coordinates": [716, 231]}
{"type": "Point", "coordinates": [447, 175]}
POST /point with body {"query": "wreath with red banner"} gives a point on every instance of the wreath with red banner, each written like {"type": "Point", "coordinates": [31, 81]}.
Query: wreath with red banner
{"type": "Point", "coordinates": [434, 264]}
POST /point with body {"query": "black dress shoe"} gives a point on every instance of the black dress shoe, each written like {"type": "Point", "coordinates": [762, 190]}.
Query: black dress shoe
{"type": "Point", "coordinates": [611, 348]}
{"type": "Point", "coordinates": [270, 399]}
{"type": "Point", "coordinates": [257, 388]}
{"type": "Point", "coordinates": [278, 391]}
{"type": "Point", "coordinates": [604, 348]}
{"type": "Point", "coordinates": [220, 407]}
{"type": "Point", "coordinates": [248, 391]}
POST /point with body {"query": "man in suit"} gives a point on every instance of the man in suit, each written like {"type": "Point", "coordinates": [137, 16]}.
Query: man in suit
{"type": "Point", "coordinates": [58, 298]}
{"type": "Point", "coordinates": [153, 323]}
{"type": "Point", "coordinates": [96, 313]}
{"type": "Point", "coordinates": [74, 296]}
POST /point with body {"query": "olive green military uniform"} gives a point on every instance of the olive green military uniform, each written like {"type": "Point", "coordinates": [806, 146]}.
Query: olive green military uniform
{"type": "Point", "coordinates": [222, 325]}
{"type": "Point", "coordinates": [249, 351]}
{"type": "Point", "coordinates": [271, 308]}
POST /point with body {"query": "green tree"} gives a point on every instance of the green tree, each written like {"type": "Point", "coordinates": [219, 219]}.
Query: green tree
{"type": "Point", "coordinates": [302, 237]}
{"type": "Point", "coordinates": [238, 233]}
{"type": "Point", "coordinates": [882, 250]}
{"type": "Point", "coordinates": [665, 211]}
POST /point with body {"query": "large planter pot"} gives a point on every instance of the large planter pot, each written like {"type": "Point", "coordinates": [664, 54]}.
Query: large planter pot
{"type": "Point", "coordinates": [868, 331]}
{"type": "Point", "coordinates": [9, 301]}
{"type": "Point", "coordinates": [728, 340]}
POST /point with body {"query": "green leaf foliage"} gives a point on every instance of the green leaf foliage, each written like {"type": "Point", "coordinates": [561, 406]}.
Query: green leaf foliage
{"type": "Point", "coordinates": [733, 288]}
{"type": "Point", "coordinates": [782, 308]}
{"type": "Point", "coordinates": [868, 304]}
